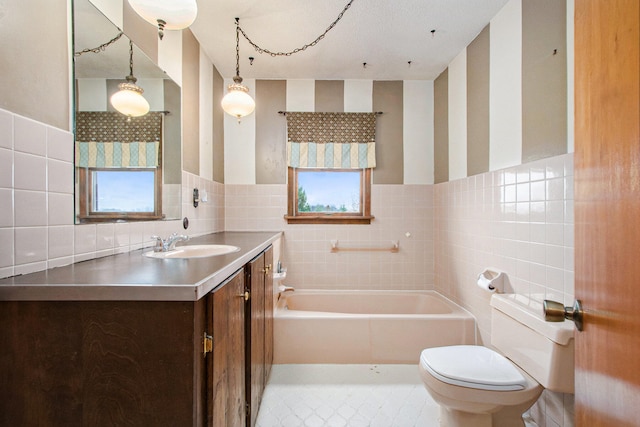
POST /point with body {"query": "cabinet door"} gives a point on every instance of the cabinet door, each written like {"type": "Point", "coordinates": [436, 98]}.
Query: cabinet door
{"type": "Point", "coordinates": [226, 363]}
{"type": "Point", "coordinates": [255, 339]}
{"type": "Point", "coordinates": [268, 313]}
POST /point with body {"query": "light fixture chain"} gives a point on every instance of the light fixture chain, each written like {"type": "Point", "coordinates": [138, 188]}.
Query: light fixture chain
{"type": "Point", "coordinates": [237, 48]}
{"type": "Point", "coordinates": [100, 48]}
{"type": "Point", "coordinates": [299, 49]}
{"type": "Point", "coordinates": [130, 58]}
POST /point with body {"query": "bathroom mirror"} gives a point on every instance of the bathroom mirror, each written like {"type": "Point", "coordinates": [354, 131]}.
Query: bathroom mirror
{"type": "Point", "coordinates": [126, 169]}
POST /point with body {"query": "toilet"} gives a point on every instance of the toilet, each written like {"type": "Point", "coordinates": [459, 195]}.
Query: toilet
{"type": "Point", "coordinates": [476, 386]}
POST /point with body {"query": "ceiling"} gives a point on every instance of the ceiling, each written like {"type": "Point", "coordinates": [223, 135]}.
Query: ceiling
{"type": "Point", "coordinates": [384, 34]}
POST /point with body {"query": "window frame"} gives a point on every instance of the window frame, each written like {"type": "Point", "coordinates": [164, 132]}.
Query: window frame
{"type": "Point", "coordinates": [85, 188]}
{"type": "Point", "coordinates": [294, 217]}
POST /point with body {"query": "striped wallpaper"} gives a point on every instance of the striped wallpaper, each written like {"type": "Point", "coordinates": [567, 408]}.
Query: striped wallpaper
{"type": "Point", "coordinates": [501, 102]}
{"type": "Point", "coordinates": [255, 149]}
{"type": "Point", "coordinates": [507, 94]}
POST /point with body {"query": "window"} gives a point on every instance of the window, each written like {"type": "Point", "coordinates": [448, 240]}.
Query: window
{"type": "Point", "coordinates": [329, 196]}
{"type": "Point", "coordinates": [102, 198]}
{"type": "Point", "coordinates": [118, 166]}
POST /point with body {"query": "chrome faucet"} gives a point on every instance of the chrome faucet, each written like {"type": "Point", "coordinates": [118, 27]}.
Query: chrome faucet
{"type": "Point", "coordinates": [168, 244]}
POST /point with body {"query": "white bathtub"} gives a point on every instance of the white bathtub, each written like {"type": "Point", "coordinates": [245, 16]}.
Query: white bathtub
{"type": "Point", "coordinates": [366, 327]}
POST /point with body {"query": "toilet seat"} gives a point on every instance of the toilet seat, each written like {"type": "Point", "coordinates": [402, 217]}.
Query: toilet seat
{"type": "Point", "coordinates": [472, 366]}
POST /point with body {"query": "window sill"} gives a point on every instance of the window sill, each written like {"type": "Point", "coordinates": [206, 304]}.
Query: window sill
{"type": "Point", "coordinates": [328, 219]}
{"type": "Point", "coordinates": [117, 218]}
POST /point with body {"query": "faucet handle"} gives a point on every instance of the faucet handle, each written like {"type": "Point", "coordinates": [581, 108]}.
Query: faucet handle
{"type": "Point", "coordinates": [158, 247]}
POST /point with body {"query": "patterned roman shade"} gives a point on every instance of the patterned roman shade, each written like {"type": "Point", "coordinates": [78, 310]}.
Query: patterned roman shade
{"type": "Point", "coordinates": [111, 140]}
{"type": "Point", "coordinates": [331, 140]}
{"type": "Point", "coordinates": [117, 154]}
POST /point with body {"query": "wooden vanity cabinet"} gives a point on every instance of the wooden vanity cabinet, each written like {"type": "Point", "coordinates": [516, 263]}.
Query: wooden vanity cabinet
{"type": "Point", "coordinates": [139, 363]}
{"type": "Point", "coordinates": [259, 330]}
{"type": "Point", "coordinates": [102, 363]}
{"type": "Point", "coordinates": [226, 362]}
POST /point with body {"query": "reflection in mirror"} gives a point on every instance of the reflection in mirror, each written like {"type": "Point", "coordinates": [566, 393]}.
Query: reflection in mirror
{"type": "Point", "coordinates": [127, 168]}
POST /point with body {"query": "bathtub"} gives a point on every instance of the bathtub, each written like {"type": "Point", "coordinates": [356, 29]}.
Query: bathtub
{"type": "Point", "coordinates": [366, 327]}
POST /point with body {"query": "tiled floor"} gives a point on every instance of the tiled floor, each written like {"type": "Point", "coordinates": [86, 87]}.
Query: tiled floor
{"type": "Point", "coordinates": [346, 395]}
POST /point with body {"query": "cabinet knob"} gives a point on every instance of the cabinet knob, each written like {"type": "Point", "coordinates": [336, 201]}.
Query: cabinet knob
{"type": "Point", "coordinates": [266, 269]}
{"type": "Point", "coordinates": [246, 296]}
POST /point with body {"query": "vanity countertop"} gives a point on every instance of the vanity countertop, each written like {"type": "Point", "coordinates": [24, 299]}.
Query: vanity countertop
{"type": "Point", "coordinates": [132, 276]}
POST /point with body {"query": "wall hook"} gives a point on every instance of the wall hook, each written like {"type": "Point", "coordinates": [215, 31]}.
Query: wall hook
{"type": "Point", "coordinates": [196, 197]}
{"type": "Point", "coordinates": [251, 58]}
{"type": "Point", "coordinates": [364, 65]}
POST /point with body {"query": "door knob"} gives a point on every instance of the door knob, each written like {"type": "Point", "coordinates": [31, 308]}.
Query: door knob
{"type": "Point", "coordinates": [557, 312]}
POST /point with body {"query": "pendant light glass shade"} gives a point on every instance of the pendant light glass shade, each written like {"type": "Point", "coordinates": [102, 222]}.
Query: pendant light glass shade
{"type": "Point", "coordinates": [166, 14]}
{"type": "Point", "coordinates": [129, 100]}
{"type": "Point", "coordinates": [237, 102]}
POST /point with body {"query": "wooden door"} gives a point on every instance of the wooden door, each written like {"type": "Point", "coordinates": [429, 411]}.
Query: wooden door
{"type": "Point", "coordinates": [226, 365]}
{"type": "Point", "coordinates": [255, 339]}
{"type": "Point", "coordinates": [268, 313]}
{"type": "Point", "coordinates": [607, 211]}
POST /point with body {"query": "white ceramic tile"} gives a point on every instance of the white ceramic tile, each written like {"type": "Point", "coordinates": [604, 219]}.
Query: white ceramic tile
{"type": "Point", "coordinates": [30, 245]}
{"type": "Point", "coordinates": [105, 236]}
{"type": "Point", "coordinates": [60, 241]}
{"type": "Point", "coordinates": [30, 208]}
{"type": "Point", "coordinates": [7, 258]}
{"type": "Point", "coordinates": [6, 129]}
{"type": "Point", "coordinates": [538, 191]}
{"type": "Point", "coordinates": [60, 209]}
{"type": "Point", "coordinates": [6, 168]}
{"type": "Point", "coordinates": [346, 395]}
{"type": "Point", "coordinates": [555, 167]}
{"type": "Point", "coordinates": [60, 144]}
{"type": "Point", "coordinates": [122, 230]}
{"type": "Point", "coordinates": [554, 211]}
{"type": "Point", "coordinates": [85, 239]}
{"type": "Point", "coordinates": [60, 176]}
{"type": "Point", "coordinates": [29, 136]}
{"type": "Point", "coordinates": [6, 212]}
{"type": "Point", "coordinates": [30, 172]}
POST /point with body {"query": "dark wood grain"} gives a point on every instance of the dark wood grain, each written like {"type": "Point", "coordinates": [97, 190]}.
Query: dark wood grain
{"type": "Point", "coordinates": [268, 314]}
{"type": "Point", "coordinates": [99, 363]}
{"type": "Point", "coordinates": [255, 337]}
{"type": "Point", "coordinates": [227, 364]}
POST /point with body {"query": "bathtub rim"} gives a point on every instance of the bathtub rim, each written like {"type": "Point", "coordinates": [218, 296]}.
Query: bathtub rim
{"type": "Point", "coordinates": [282, 313]}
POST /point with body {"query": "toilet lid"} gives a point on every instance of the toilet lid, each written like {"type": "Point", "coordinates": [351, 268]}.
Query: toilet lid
{"type": "Point", "coordinates": [472, 366]}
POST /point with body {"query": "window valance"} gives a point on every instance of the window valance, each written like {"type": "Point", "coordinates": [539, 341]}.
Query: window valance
{"type": "Point", "coordinates": [105, 126]}
{"type": "Point", "coordinates": [94, 154]}
{"type": "Point", "coordinates": [331, 140]}
{"type": "Point", "coordinates": [107, 139]}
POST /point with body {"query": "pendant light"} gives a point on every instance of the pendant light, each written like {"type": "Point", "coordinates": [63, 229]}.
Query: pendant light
{"type": "Point", "coordinates": [166, 14]}
{"type": "Point", "coordinates": [129, 100]}
{"type": "Point", "coordinates": [237, 102]}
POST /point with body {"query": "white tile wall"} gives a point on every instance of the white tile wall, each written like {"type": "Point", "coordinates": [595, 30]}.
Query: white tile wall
{"type": "Point", "coordinates": [398, 210]}
{"type": "Point", "coordinates": [37, 228]}
{"type": "Point", "coordinates": [518, 220]}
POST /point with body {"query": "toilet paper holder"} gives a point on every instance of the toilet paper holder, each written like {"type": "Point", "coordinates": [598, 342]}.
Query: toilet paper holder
{"type": "Point", "coordinates": [491, 280]}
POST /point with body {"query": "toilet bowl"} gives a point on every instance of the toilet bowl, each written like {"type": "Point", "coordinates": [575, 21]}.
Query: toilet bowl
{"type": "Point", "coordinates": [476, 386]}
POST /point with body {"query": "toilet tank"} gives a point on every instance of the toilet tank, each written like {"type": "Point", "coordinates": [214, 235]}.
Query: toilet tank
{"type": "Point", "coordinates": [542, 349]}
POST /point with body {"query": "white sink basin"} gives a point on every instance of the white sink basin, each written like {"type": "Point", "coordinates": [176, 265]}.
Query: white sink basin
{"type": "Point", "coordinates": [194, 251]}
